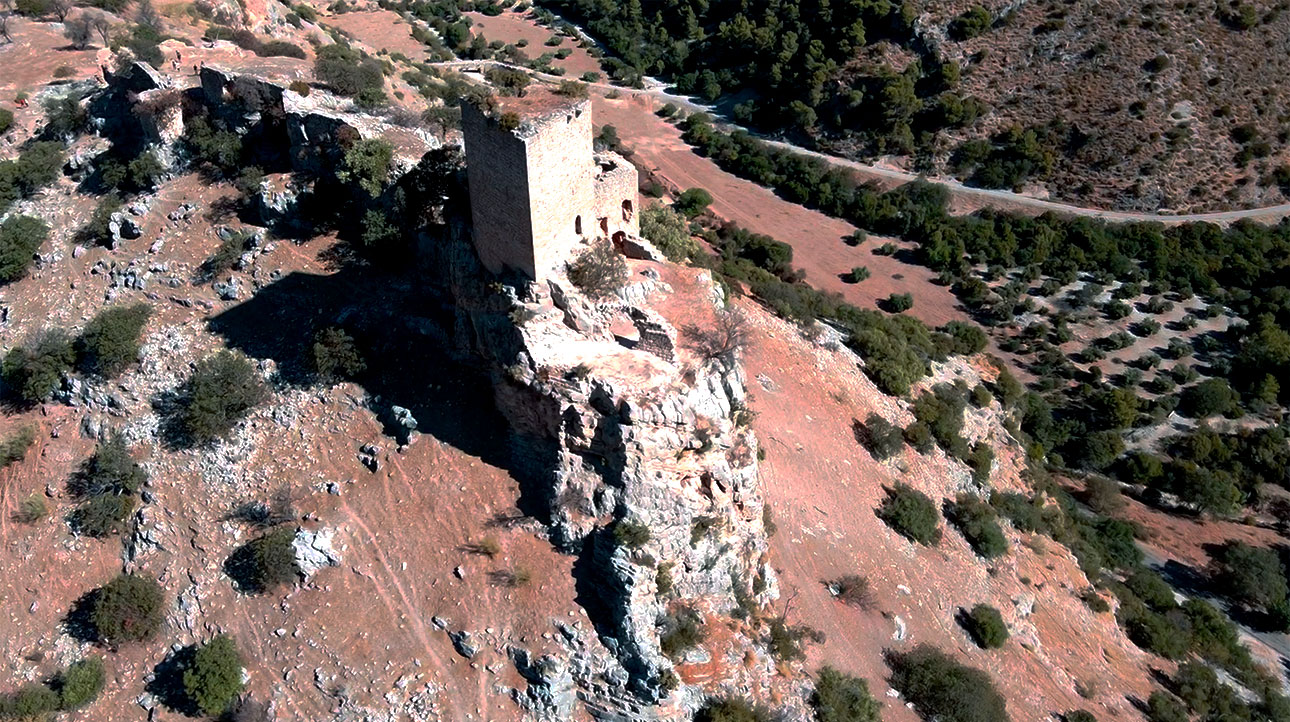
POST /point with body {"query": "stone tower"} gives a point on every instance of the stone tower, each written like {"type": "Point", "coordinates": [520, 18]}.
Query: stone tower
{"type": "Point", "coordinates": [537, 190]}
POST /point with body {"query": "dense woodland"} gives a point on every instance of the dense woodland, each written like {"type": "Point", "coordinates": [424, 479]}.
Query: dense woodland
{"type": "Point", "coordinates": [788, 54]}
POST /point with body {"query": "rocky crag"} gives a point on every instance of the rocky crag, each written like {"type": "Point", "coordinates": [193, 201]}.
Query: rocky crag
{"type": "Point", "coordinates": [612, 440]}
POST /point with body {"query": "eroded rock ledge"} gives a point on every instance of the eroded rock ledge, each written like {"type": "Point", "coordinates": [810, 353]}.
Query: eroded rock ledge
{"type": "Point", "coordinates": [620, 422]}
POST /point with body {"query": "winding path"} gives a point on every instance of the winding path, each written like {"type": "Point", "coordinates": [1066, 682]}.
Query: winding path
{"type": "Point", "coordinates": [957, 189]}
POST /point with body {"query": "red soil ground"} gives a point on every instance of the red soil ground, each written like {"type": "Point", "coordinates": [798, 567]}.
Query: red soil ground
{"type": "Point", "coordinates": [511, 26]}
{"type": "Point", "coordinates": [823, 488]}
{"type": "Point", "coordinates": [380, 30]}
{"type": "Point", "coordinates": [29, 62]}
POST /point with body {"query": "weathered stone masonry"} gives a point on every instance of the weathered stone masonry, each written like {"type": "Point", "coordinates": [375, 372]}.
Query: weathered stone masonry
{"type": "Point", "coordinates": [538, 190]}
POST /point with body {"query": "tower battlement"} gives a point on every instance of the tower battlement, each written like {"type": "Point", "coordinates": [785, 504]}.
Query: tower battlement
{"type": "Point", "coordinates": [537, 188]}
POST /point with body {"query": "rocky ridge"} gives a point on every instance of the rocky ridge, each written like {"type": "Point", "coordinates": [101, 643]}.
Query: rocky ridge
{"type": "Point", "coordinates": [612, 439]}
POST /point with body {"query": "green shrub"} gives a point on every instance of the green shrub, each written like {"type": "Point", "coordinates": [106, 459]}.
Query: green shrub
{"type": "Point", "coordinates": [941, 410]}
{"type": "Point", "coordinates": [30, 510]}
{"type": "Point", "coordinates": [80, 684]}
{"type": "Point", "coordinates": [371, 98]}
{"type": "Point", "coordinates": [693, 201]}
{"type": "Point", "coordinates": [981, 396]}
{"type": "Point", "coordinates": [111, 470]}
{"type": "Point", "coordinates": [919, 436]}
{"type": "Point", "coordinates": [900, 302]}
{"type": "Point", "coordinates": [214, 680]}
{"type": "Point", "coordinates": [14, 447]}
{"type": "Point", "coordinates": [942, 689]}
{"type": "Point", "coordinates": [1079, 715]}
{"type": "Point", "coordinates": [38, 166]}
{"type": "Point", "coordinates": [986, 626]}
{"type": "Point", "coordinates": [1164, 707]}
{"type": "Point", "coordinates": [346, 70]}
{"type": "Point", "coordinates": [681, 631]}
{"type": "Point", "coordinates": [882, 438]}
{"type": "Point", "coordinates": [280, 48]}
{"type": "Point", "coordinates": [6, 120]}
{"type": "Point", "coordinates": [965, 338]}
{"type": "Point", "coordinates": [600, 271]}
{"type": "Point", "coordinates": [102, 516]}
{"type": "Point", "coordinates": [981, 459]}
{"type": "Point", "coordinates": [973, 22]}
{"type": "Point", "coordinates": [630, 534]}
{"type": "Point", "coordinates": [222, 390]}
{"type": "Point", "coordinates": [266, 562]}
{"type": "Point", "coordinates": [144, 43]}
{"type": "Point", "coordinates": [65, 117]}
{"type": "Point", "coordinates": [572, 89]}
{"type": "Point", "coordinates": [97, 229]}
{"type": "Point", "coordinates": [218, 149]}
{"type": "Point", "coordinates": [1207, 398]}
{"type": "Point", "coordinates": [1251, 576]}
{"type": "Point", "coordinates": [1152, 589]}
{"type": "Point", "coordinates": [127, 610]}
{"type": "Point", "coordinates": [1103, 495]}
{"type": "Point", "coordinates": [367, 166]}
{"type": "Point", "coordinates": [336, 355]}
{"type": "Point", "coordinates": [784, 641]}
{"type": "Point", "coordinates": [1165, 634]}
{"type": "Point", "coordinates": [980, 526]}
{"type": "Point", "coordinates": [669, 231]}
{"type": "Point", "coordinates": [225, 258]}
{"type": "Point", "coordinates": [110, 341]}
{"type": "Point", "coordinates": [20, 238]}
{"type": "Point", "coordinates": [912, 514]}
{"type": "Point", "coordinates": [839, 697]}
{"type": "Point", "coordinates": [32, 701]}
{"type": "Point", "coordinates": [145, 171]}
{"type": "Point", "coordinates": [730, 709]}
{"type": "Point", "coordinates": [1197, 685]}
{"type": "Point", "coordinates": [33, 371]}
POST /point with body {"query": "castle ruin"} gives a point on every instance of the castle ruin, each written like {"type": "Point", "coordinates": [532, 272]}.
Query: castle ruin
{"type": "Point", "coordinates": [538, 189]}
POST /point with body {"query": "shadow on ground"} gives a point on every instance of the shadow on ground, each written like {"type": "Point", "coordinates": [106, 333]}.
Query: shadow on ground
{"type": "Point", "coordinates": [167, 684]}
{"type": "Point", "coordinates": [401, 334]}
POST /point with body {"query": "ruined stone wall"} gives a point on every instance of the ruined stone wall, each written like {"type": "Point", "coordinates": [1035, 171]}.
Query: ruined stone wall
{"type": "Point", "coordinates": [531, 188]}
{"type": "Point", "coordinates": [559, 181]}
{"type": "Point", "coordinates": [497, 170]}
{"type": "Point", "coordinates": [616, 199]}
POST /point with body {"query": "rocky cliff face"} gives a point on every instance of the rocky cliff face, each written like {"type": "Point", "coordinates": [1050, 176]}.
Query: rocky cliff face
{"type": "Point", "coordinates": [612, 441]}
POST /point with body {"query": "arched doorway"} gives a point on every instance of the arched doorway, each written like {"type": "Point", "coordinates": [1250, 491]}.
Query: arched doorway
{"type": "Point", "coordinates": [577, 225]}
{"type": "Point", "coordinates": [627, 210]}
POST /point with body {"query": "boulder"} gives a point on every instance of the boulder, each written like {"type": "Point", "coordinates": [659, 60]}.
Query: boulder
{"type": "Point", "coordinates": [315, 550]}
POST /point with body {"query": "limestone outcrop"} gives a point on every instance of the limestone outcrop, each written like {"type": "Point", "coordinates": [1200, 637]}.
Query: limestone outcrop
{"type": "Point", "coordinates": [614, 436]}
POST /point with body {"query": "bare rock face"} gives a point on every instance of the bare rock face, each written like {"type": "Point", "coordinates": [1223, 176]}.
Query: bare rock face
{"type": "Point", "coordinates": [611, 440]}
{"type": "Point", "coordinates": [314, 550]}
{"type": "Point", "coordinates": [259, 16]}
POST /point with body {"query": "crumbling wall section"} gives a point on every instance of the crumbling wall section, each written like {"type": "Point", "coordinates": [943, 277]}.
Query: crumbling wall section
{"type": "Point", "coordinates": [656, 335]}
{"type": "Point", "coordinates": [616, 199]}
